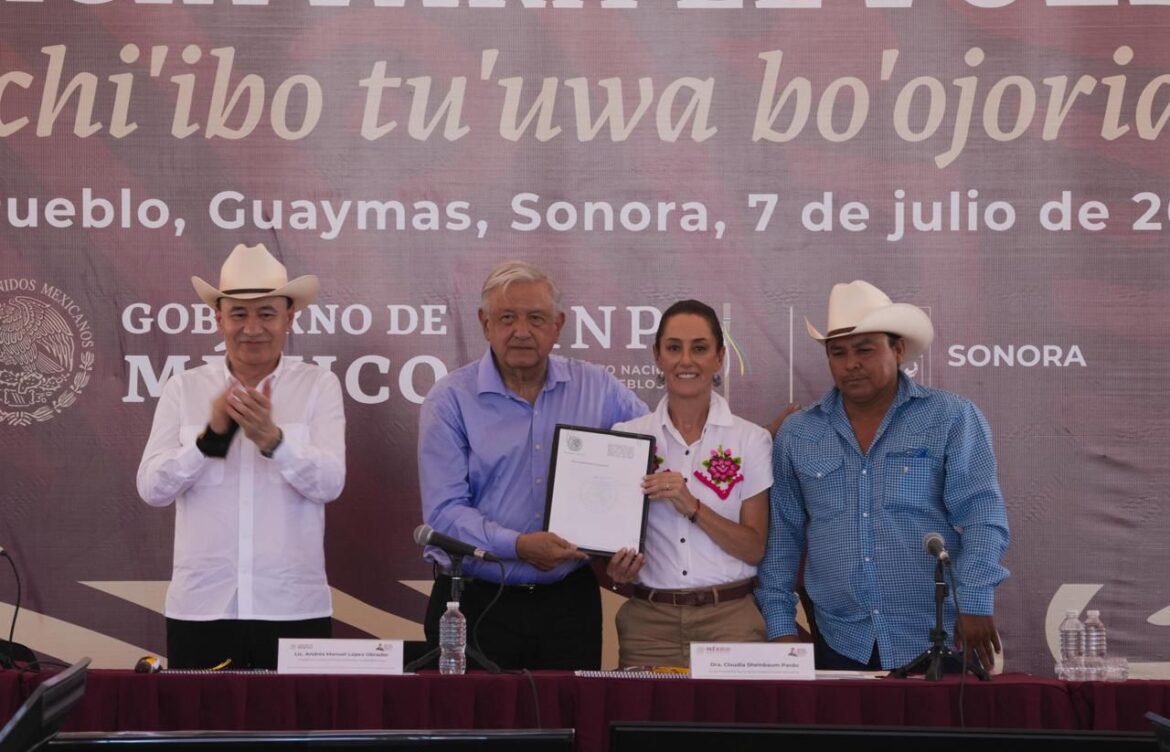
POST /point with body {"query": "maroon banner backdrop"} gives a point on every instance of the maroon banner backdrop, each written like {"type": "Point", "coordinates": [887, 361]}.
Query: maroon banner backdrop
{"type": "Point", "coordinates": [1001, 163]}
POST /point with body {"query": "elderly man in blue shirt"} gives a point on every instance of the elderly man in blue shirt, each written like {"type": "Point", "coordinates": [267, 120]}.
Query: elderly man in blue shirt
{"type": "Point", "coordinates": [485, 436]}
{"type": "Point", "coordinates": [861, 477]}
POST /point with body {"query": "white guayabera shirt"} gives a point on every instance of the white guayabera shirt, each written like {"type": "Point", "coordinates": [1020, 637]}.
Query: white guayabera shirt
{"type": "Point", "coordinates": [249, 531]}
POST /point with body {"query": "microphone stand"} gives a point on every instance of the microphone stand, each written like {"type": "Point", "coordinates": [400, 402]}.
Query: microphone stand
{"type": "Point", "coordinates": [470, 650]}
{"type": "Point", "coordinates": [932, 658]}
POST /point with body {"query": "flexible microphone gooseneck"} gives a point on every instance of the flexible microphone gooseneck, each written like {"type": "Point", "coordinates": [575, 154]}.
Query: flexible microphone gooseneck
{"type": "Point", "coordinates": [8, 653]}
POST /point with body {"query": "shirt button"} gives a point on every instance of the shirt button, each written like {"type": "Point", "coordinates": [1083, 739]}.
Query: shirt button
{"type": "Point", "coordinates": [688, 452]}
{"type": "Point", "coordinates": [875, 611]}
{"type": "Point", "coordinates": [538, 447]}
{"type": "Point", "coordinates": [538, 480]}
{"type": "Point", "coordinates": [865, 514]}
{"type": "Point", "coordinates": [863, 472]}
{"type": "Point", "coordinates": [684, 571]}
{"type": "Point", "coordinates": [682, 540]}
{"type": "Point", "coordinates": [820, 475]}
{"type": "Point", "coordinates": [867, 558]}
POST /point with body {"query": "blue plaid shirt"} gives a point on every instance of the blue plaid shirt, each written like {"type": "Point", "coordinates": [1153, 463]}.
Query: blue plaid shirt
{"type": "Point", "coordinates": [929, 468]}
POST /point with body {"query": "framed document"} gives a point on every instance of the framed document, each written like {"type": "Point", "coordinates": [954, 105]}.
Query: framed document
{"type": "Point", "coordinates": [595, 498]}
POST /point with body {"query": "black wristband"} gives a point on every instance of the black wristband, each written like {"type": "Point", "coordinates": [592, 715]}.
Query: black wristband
{"type": "Point", "coordinates": [214, 444]}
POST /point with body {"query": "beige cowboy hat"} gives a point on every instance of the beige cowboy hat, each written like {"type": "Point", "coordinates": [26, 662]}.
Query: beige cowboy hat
{"type": "Point", "coordinates": [860, 308]}
{"type": "Point", "coordinates": [250, 272]}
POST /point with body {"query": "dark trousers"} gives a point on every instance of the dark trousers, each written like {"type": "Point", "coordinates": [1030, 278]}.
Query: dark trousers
{"type": "Point", "coordinates": [828, 659]}
{"type": "Point", "coordinates": [555, 626]}
{"type": "Point", "coordinates": [248, 643]}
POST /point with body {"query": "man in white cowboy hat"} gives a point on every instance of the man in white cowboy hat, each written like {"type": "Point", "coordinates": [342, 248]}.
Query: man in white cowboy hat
{"type": "Point", "coordinates": [249, 450]}
{"type": "Point", "coordinates": [863, 476]}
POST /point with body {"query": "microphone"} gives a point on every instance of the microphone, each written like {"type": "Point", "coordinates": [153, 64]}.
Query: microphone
{"type": "Point", "coordinates": [148, 664]}
{"type": "Point", "coordinates": [425, 535]}
{"type": "Point", "coordinates": [933, 544]}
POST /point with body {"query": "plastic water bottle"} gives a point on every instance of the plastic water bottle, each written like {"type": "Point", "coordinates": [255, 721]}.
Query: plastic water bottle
{"type": "Point", "coordinates": [1095, 646]}
{"type": "Point", "coordinates": [452, 640]}
{"type": "Point", "coordinates": [1095, 639]}
{"type": "Point", "coordinates": [1072, 647]}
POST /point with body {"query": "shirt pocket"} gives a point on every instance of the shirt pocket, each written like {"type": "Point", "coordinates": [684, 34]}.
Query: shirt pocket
{"type": "Point", "coordinates": [212, 471]}
{"type": "Point", "coordinates": [822, 481]}
{"type": "Point", "coordinates": [295, 433]}
{"type": "Point", "coordinates": [912, 480]}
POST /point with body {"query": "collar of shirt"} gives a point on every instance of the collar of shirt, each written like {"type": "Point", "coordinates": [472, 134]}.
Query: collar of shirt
{"type": "Point", "coordinates": [832, 406]}
{"type": "Point", "coordinates": [230, 378]}
{"type": "Point", "coordinates": [718, 414]}
{"type": "Point", "coordinates": [489, 381]}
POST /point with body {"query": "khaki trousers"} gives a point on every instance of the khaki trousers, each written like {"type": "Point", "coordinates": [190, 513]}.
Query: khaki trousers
{"type": "Point", "coordinates": [660, 634]}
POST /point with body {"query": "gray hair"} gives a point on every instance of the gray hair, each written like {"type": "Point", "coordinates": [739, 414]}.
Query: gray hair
{"type": "Point", "coordinates": [515, 270]}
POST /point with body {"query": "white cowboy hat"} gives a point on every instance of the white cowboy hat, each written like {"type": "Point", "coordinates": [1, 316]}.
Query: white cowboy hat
{"type": "Point", "coordinates": [250, 272]}
{"type": "Point", "coordinates": [860, 308]}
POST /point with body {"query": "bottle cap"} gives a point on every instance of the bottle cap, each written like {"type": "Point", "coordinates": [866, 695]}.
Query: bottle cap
{"type": "Point", "coordinates": [452, 604]}
{"type": "Point", "coordinates": [1094, 613]}
{"type": "Point", "coordinates": [1071, 612]}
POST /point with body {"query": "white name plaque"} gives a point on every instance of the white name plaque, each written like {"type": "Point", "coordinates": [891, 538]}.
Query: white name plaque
{"type": "Point", "coordinates": [301, 656]}
{"type": "Point", "coordinates": [752, 660]}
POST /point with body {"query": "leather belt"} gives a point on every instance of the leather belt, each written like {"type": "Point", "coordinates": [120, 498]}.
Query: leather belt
{"type": "Point", "coordinates": [704, 597]}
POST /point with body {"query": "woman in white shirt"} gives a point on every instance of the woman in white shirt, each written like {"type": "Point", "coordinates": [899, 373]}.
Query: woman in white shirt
{"type": "Point", "coordinates": [708, 519]}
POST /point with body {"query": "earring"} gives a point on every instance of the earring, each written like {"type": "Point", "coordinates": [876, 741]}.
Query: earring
{"type": "Point", "coordinates": [660, 378]}
{"type": "Point", "coordinates": [717, 379]}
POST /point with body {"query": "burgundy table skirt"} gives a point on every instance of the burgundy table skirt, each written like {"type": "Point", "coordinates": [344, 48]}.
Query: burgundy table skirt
{"type": "Point", "coordinates": [125, 701]}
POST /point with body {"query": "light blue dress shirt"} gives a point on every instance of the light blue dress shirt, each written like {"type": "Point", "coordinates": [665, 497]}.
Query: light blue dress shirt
{"type": "Point", "coordinates": [929, 468]}
{"type": "Point", "coordinates": [483, 455]}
